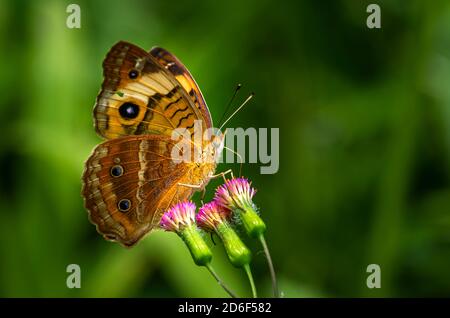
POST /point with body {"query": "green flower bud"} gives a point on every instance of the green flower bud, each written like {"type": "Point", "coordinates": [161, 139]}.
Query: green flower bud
{"type": "Point", "coordinates": [200, 251]}
{"type": "Point", "coordinates": [238, 254]}
{"type": "Point", "coordinates": [253, 224]}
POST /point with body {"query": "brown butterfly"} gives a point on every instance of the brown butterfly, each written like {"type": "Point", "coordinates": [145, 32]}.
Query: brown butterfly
{"type": "Point", "coordinates": [131, 179]}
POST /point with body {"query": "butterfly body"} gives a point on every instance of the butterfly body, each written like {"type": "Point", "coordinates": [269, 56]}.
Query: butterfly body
{"type": "Point", "coordinates": [133, 177]}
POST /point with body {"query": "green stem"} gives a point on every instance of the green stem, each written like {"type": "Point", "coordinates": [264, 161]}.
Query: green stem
{"type": "Point", "coordinates": [220, 282]}
{"type": "Point", "coordinates": [250, 279]}
{"type": "Point", "coordinates": [276, 292]}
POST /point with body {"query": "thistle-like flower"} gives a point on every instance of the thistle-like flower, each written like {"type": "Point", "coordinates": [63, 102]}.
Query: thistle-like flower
{"type": "Point", "coordinates": [181, 220]}
{"type": "Point", "coordinates": [213, 217]}
{"type": "Point", "coordinates": [178, 217]}
{"type": "Point", "coordinates": [237, 194]}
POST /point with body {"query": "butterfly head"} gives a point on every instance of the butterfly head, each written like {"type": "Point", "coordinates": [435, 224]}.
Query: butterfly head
{"type": "Point", "coordinates": [213, 149]}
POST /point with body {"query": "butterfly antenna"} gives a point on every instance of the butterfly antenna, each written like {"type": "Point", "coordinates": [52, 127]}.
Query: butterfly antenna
{"type": "Point", "coordinates": [238, 87]}
{"type": "Point", "coordinates": [238, 109]}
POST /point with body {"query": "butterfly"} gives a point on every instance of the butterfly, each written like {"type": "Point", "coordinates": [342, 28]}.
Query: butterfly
{"type": "Point", "coordinates": [130, 179]}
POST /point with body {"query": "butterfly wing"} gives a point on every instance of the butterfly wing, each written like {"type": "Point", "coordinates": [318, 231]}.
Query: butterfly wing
{"type": "Point", "coordinates": [129, 182]}
{"type": "Point", "coordinates": [140, 96]}
{"type": "Point", "coordinates": [182, 75]}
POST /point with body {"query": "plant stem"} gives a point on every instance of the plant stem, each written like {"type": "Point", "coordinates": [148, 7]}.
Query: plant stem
{"type": "Point", "coordinates": [250, 279]}
{"type": "Point", "coordinates": [220, 282]}
{"type": "Point", "coordinates": [269, 262]}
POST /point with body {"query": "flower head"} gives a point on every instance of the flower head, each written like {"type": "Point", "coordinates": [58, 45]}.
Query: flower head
{"type": "Point", "coordinates": [211, 214]}
{"type": "Point", "coordinates": [236, 193]}
{"type": "Point", "coordinates": [178, 217]}
{"type": "Point", "coordinates": [213, 217]}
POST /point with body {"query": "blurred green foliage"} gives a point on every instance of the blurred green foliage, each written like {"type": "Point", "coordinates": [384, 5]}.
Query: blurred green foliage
{"type": "Point", "coordinates": [364, 118]}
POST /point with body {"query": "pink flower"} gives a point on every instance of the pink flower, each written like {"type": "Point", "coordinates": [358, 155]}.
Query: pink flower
{"type": "Point", "coordinates": [211, 215]}
{"type": "Point", "coordinates": [235, 193]}
{"type": "Point", "coordinates": [178, 217]}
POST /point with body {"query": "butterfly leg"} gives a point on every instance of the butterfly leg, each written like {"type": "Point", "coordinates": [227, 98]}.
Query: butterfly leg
{"type": "Point", "coordinates": [223, 174]}
{"type": "Point", "coordinates": [203, 194]}
{"type": "Point", "coordinates": [193, 186]}
{"type": "Point", "coordinates": [196, 187]}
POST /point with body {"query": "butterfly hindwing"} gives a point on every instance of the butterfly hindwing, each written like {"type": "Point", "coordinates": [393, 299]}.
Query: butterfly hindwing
{"type": "Point", "coordinates": [129, 182]}
{"type": "Point", "coordinates": [140, 96]}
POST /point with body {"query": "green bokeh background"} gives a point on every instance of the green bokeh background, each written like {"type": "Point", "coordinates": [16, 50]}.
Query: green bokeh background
{"type": "Point", "coordinates": [364, 118]}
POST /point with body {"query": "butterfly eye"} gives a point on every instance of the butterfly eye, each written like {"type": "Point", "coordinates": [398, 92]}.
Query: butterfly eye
{"type": "Point", "coordinates": [124, 205]}
{"type": "Point", "coordinates": [217, 142]}
{"type": "Point", "coordinates": [133, 74]}
{"type": "Point", "coordinates": [129, 110]}
{"type": "Point", "coordinates": [116, 171]}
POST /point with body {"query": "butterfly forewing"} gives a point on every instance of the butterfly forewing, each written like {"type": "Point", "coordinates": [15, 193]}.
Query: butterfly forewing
{"type": "Point", "coordinates": [186, 80]}
{"type": "Point", "coordinates": [140, 96]}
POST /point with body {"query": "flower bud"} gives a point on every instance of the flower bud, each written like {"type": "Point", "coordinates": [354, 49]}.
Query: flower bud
{"type": "Point", "coordinates": [213, 217]}
{"type": "Point", "coordinates": [237, 194]}
{"type": "Point", "coordinates": [180, 219]}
